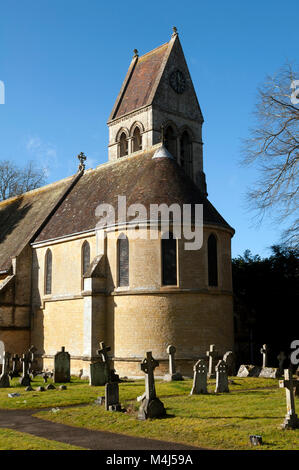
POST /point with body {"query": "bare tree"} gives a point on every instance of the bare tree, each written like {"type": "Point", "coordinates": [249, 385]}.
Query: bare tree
{"type": "Point", "coordinates": [15, 180]}
{"type": "Point", "coordinates": [274, 147]}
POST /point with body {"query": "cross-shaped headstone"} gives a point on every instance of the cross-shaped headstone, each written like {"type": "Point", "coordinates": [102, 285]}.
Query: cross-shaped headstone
{"type": "Point", "coordinates": [148, 366]}
{"type": "Point", "coordinates": [291, 419]}
{"type": "Point", "coordinates": [199, 378]}
{"type": "Point", "coordinates": [212, 354]}
{"type": "Point", "coordinates": [264, 351]}
{"type": "Point", "coordinates": [281, 358]}
{"type": "Point", "coordinates": [25, 379]}
{"type": "Point", "coordinates": [103, 352]}
{"type": "Point", "coordinates": [171, 350]}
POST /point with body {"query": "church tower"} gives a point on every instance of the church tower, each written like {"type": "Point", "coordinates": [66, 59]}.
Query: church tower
{"type": "Point", "coordinates": [157, 102]}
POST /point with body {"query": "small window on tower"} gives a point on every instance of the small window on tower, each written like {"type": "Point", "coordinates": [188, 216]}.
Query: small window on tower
{"type": "Point", "coordinates": [123, 145]}
{"type": "Point", "coordinates": [170, 141]}
{"type": "Point", "coordinates": [186, 153]}
{"type": "Point", "coordinates": [212, 261]}
{"type": "Point", "coordinates": [123, 261]}
{"type": "Point", "coordinates": [169, 260]}
{"type": "Point", "coordinates": [48, 273]}
{"type": "Point", "coordinates": [85, 257]}
{"type": "Point", "coordinates": [137, 140]}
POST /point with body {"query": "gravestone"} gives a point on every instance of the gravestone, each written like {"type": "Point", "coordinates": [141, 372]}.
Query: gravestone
{"type": "Point", "coordinates": [62, 366]}
{"type": "Point", "coordinates": [2, 350]}
{"type": "Point", "coordinates": [270, 373]}
{"type": "Point", "coordinates": [100, 372]}
{"type": "Point", "coordinates": [212, 354]}
{"type": "Point", "coordinates": [32, 359]}
{"type": "Point", "coordinates": [281, 358]}
{"type": "Point", "coordinates": [112, 397]}
{"type": "Point", "coordinates": [249, 370]}
{"type": "Point", "coordinates": [264, 351]}
{"type": "Point", "coordinates": [173, 374]}
{"type": "Point", "coordinates": [199, 378]}
{"type": "Point", "coordinates": [25, 379]}
{"type": "Point", "coordinates": [4, 378]}
{"type": "Point", "coordinates": [229, 359]}
{"type": "Point", "coordinates": [151, 406]}
{"type": "Point", "coordinates": [15, 366]}
{"type": "Point", "coordinates": [291, 419]}
{"type": "Point", "coordinates": [221, 378]}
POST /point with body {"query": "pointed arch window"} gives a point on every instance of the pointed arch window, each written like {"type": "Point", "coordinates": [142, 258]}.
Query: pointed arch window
{"type": "Point", "coordinates": [186, 153]}
{"type": "Point", "coordinates": [137, 140]}
{"type": "Point", "coordinates": [212, 261]}
{"type": "Point", "coordinates": [170, 141]}
{"type": "Point", "coordinates": [169, 260]}
{"type": "Point", "coordinates": [123, 145]}
{"type": "Point", "coordinates": [48, 273]}
{"type": "Point", "coordinates": [123, 261]}
{"type": "Point", "coordinates": [85, 257]}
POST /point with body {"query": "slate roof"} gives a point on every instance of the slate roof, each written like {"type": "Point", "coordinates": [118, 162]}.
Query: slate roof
{"type": "Point", "coordinates": [21, 217]}
{"type": "Point", "coordinates": [140, 178]}
{"type": "Point", "coordinates": [139, 84]}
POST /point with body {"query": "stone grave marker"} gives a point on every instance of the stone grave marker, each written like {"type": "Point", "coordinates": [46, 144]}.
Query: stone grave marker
{"type": "Point", "coordinates": [2, 350]}
{"type": "Point", "coordinates": [4, 378]}
{"type": "Point", "coordinates": [291, 419]}
{"type": "Point", "coordinates": [32, 359]}
{"type": "Point", "coordinates": [221, 378]}
{"type": "Point", "coordinates": [62, 366]}
{"type": "Point", "coordinates": [15, 366]}
{"type": "Point", "coordinates": [200, 378]}
{"type": "Point", "coordinates": [281, 358]}
{"type": "Point", "coordinates": [173, 374]}
{"type": "Point", "coordinates": [229, 359]}
{"type": "Point", "coordinates": [212, 354]}
{"type": "Point", "coordinates": [112, 397]}
{"type": "Point", "coordinates": [100, 372]}
{"type": "Point", "coordinates": [151, 406]}
{"type": "Point", "coordinates": [264, 351]}
{"type": "Point", "coordinates": [25, 378]}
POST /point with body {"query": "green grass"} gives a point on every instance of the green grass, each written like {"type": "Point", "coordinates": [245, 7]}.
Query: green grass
{"type": "Point", "coordinates": [223, 421]}
{"type": "Point", "coordinates": [14, 440]}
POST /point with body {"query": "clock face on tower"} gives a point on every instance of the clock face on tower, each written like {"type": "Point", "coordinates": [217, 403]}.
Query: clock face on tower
{"type": "Point", "coordinates": [177, 81]}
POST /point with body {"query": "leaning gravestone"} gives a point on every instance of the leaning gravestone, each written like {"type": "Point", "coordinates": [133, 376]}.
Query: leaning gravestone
{"type": "Point", "coordinates": [173, 374]}
{"type": "Point", "coordinates": [151, 406]}
{"type": "Point", "coordinates": [249, 370]}
{"type": "Point", "coordinates": [229, 359]}
{"type": "Point", "coordinates": [291, 419]}
{"type": "Point", "coordinates": [4, 378]}
{"type": "Point", "coordinates": [62, 366]}
{"type": "Point", "coordinates": [221, 378]}
{"type": "Point", "coordinates": [200, 378]}
{"type": "Point", "coordinates": [212, 354]}
{"type": "Point", "coordinates": [112, 397]}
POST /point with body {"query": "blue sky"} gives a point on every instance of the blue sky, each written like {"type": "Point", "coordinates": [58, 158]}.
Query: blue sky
{"type": "Point", "coordinates": [63, 62]}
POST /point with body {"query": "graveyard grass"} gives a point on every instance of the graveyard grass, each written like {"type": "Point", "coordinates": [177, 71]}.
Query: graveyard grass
{"type": "Point", "coordinates": [222, 421]}
{"type": "Point", "coordinates": [14, 440]}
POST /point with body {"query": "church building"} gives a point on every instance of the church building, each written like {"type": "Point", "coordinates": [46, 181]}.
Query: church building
{"type": "Point", "coordinates": [65, 281]}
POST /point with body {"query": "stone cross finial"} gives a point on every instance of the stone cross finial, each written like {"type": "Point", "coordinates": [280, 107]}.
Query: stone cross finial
{"type": "Point", "coordinates": [82, 159]}
{"type": "Point", "coordinates": [175, 31]}
{"type": "Point", "coordinates": [291, 419]}
{"type": "Point", "coordinates": [148, 366]}
{"type": "Point", "coordinates": [212, 354]}
{"type": "Point", "coordinates": [264, 351]}
{"type": "Point", "coordinates": [135, 53]}
{"type": "Point", "coordinates": [171, 350]}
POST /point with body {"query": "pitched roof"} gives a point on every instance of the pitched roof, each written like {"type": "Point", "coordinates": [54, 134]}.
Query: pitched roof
{"type": "Point", "coordinates": [140, 178]}
{"type": "Point", "coordinates": [140, 82]}
{"type": "Point", "coordinates": [22, 216]}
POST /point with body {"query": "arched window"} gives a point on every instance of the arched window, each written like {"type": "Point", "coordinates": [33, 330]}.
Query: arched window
{"type": "Point", "coordinates": [85, 257]}
{"type": "Point", "coordinates": [123, 145]}
{"type": "Point", "coordinates": [212, 261]}
{"type": "Point", "coordinates": [48, 273]}
{"type": "Point", "coordinates": [137, 140]}
{"type": "Point", "coordinates": [170, 141]}
{"type": "Point", "coordinates": [186, 153]}
{"type": "Point", "coordinates": [169, 260]}
{"type": "Point", "coordinates": [123, 260]}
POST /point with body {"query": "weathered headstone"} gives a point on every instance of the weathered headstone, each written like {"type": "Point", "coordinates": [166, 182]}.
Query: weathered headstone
{"type": "Point", "coordinates": [62, 366]}
{"type": "Point", "coordinates": [264, 351]}
{"type": "Point", "coordinates": [281, 358]}
{"type": "Point", "coordinates": [212, 354]}
{"type": "Point", "coordinates": [229, 359]}
{"type": "Point", "coordinates": [269, 373]}
{"type": "Point", "coordinates": [15, 366]}
{"type": "Point", "coordinates": [4, 378]}
{"type": "Point", "coordinates": [151, 406]}
{"type": "Point", "coordinates": [25, 379]}
{"type": "Point", "coordinates": [112, 397]}
{"type": "Point", "coordinates": [100, 372]}
{"type": "Point", "coordinates": [291, 419]}
{"type": "Point", "coordinates": [173, 374]}
{"type": "Point", "coordinates": [221, 378]}
{"type": "Point", "coordinates": [32, 359]}
{"type": "Point", "coordinates": [200, 378]}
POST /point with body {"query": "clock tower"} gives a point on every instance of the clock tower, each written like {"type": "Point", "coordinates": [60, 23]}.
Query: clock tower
{"type": "Point", "coordinates": [157, 102]}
